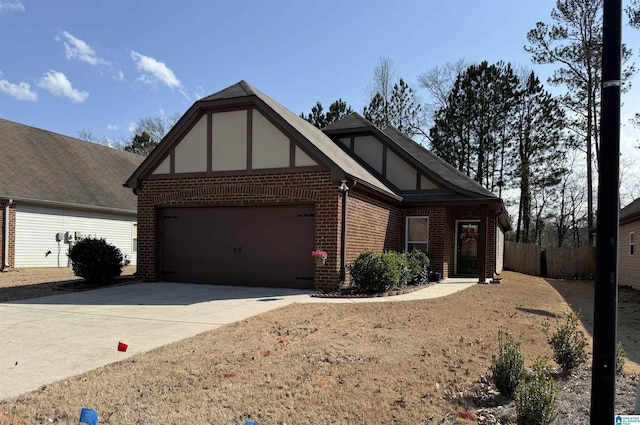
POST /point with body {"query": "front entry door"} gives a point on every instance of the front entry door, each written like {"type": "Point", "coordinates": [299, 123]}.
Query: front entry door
{"type": "Point", "coordinates": [467, 248]}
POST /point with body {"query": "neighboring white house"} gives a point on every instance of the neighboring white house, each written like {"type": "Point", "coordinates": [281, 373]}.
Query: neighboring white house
{"type": "Point", "coordinates": [55, 189]}
{"type": "Point", "coordinates": [628, 255]}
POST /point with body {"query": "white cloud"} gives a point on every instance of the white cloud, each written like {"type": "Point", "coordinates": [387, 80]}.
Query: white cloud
{"type": "Point", "coordinates": [199, 92]}
{"type": "Point", "coordinates": [153, 70]}
{"type": "Point", "coordinates": [21, 90]}
{"type": "Point", "coordinates": [11, 6]}
{"type": "Point", "coordinates": [119, 75]}
{"type": "Point", "coordinates": [113, 126]}
{"type": "Point", "coordinates": [58, 85]}
{"type": "Point", "coordinates": [184, 93]}
{"type": "Point", "coordinates": [74, 48]}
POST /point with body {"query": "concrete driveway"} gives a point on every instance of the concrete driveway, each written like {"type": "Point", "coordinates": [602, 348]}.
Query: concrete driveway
{"type": "Point", "coordinates": [43, 340]}
{"type": "Point", "coordinates": [46, 339]}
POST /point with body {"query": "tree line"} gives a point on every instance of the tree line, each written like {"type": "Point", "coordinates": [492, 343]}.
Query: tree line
{"type": "Point", "coordinates": [503, 129]}
{"type": "Point", "coordinates": [498, 125]}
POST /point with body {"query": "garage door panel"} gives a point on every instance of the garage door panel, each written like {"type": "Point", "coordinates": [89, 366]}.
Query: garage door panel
{"type": "Point", "coordinates": [257, 246]}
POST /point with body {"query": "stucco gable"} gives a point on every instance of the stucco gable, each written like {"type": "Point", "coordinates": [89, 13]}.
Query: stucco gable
{"type": "Point", "coordinates": [276, 139]}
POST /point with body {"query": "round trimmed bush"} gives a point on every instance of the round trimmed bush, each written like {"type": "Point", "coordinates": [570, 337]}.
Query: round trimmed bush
{"type": "Point", "coordinates": [377, 273]}
{"type": "Point", "coordinates": [96, 260]}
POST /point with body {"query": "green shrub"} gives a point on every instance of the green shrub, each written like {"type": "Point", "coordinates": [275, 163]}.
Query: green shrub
{"type": "Point", "coordinates": [418, 267]}
{"type": "Point", "coordinates": [507, 368]}
{"type": "Point", "coordinates": [377, 273]}
{"type": "Point", "coordinates": [536, 400]}
{"type": "Point", "coordinates": [621, 357]}
{"type": "Point", "coordinates": [95, 260]}
{"type": "Point", "coordinates": [568, 343]}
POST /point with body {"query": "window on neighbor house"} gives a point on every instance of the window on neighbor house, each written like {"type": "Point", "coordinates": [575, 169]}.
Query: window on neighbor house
{"type": "Point", "coordinates": [632, 242]}
{"type": "Point", "coordinates": [417, 234]}
{"type": "Point", "coordinates": [134, 235]}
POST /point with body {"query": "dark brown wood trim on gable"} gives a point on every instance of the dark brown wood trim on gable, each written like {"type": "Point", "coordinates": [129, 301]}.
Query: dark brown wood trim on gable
{"type": "Point", "coordinates": [418, 180]}
{"type": "Point", "coordinates": [172, 160]}
{"type": "Point", "coordinates": [238, 172]}
{"type": "Point", "coordinates": [292, 153]}
{"type": "Point", "coordinates": [209, 142]}
{"type": "Point", "coordinates": [352, 144]}
{"type": "Point", "coordinates": [250, 138]}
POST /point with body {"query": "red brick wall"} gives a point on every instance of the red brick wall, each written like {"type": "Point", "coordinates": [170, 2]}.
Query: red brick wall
{"type": "Point", "coordinates": [266, 189]}
{"type": "Point", "coordinates": [372, 224]}
{"type": "Point", "coordinates": [440, 236]}
{"type": "Point", "coordinates": [473, 213]}
{"type": "Point", "coordinates": [11, 235]}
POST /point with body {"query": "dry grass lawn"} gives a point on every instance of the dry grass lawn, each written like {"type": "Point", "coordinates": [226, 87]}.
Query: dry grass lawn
{"type": "Point", "coordinates": [35, 282]}
{"type": "Point", "coordinates": [368, 363]}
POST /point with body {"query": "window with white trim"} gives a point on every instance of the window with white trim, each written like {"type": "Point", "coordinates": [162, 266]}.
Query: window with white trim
{"type": "Point", "coordinates": [632, 242]}
{"type": "Point", "coordinates": [134, 236]}
{"type": "Point", "coordinates": [417, 234]}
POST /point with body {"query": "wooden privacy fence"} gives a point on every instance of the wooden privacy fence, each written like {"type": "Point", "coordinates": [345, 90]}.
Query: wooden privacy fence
{"type": "Point", "coordinates": [571, 262]}
{"type": "Point", "coordinates": [522, 257]}
{"type": "Point", "coordinates": [561, 263]}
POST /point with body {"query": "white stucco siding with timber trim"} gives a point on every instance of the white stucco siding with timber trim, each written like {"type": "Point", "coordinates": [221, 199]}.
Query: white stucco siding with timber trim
{"type": "Point", "coordinates": [37, 226]}
{"type": "Point", "coordinates": [240, 140]}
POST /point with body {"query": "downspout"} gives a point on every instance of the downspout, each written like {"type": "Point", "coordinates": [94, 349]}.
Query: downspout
{"type": "Point", "coordinates": [343, 233]}
{"type": "Point", "coordinates": [5, 251]}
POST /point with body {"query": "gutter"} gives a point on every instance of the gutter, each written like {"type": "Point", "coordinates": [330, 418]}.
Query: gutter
{"type": "Point", "coordinates": [74, 206]}
{"type": "Point", "coordinates": [5, 251]}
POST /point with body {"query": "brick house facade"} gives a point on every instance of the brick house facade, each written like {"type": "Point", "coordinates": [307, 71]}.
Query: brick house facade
{"type": "Point", "coordinates": [239, 153]}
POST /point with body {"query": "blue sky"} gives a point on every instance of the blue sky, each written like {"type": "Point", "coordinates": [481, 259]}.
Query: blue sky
{"type": "Point", "coordinates": [70, 65]}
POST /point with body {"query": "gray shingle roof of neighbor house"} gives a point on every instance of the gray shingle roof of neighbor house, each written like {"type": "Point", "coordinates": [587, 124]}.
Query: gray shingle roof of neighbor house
{"type": "Point", "coordinates": [328, 150]}
{"type": "Point", "coordinates": [48, 168]}
{"type": "Point", "coordinates": [631, 212]}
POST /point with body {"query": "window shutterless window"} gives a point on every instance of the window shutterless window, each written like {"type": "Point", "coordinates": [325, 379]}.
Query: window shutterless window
{"type": "Point", "coordinates": [632, 242]}
{"type": "Point", "coordinates": [417, 234]}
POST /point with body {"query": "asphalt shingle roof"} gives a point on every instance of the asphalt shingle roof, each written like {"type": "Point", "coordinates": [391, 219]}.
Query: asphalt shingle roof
{"type": "Point", "coordinates": [631, 210]}
{"type": "Point", "coordinates": [42, 166]}
{"type": "Point", "coordinates": [435, 164]}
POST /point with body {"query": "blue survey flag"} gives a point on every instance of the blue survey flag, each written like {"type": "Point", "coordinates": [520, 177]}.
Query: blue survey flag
{"type": "Point", "coordinates": [88, 416]}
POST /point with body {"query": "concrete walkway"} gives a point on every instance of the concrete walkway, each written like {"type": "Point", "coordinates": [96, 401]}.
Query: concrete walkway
{"type": "Point", "coordinates": [43, 340]}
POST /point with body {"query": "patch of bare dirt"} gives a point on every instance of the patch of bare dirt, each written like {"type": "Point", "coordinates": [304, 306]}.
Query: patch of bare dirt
{"type": "Point", "coordinates": [20, 284]}
{"type": "Point", "coordinates": [416, 362]}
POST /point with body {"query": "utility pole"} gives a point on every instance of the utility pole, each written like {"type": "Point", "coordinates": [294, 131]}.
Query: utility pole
{"type": "Point", "coordinates": [603, 380]}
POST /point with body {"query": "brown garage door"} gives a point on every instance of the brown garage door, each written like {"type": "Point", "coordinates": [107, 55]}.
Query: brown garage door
{"type": "Point", "coordinates": [254, 246]}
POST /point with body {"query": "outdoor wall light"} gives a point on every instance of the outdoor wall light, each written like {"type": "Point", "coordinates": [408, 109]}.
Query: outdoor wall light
{"type": "Point", "coordinates": [343, 186]}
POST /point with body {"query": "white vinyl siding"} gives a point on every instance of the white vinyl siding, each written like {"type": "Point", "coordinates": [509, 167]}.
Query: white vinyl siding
{"type": "Point", "coordinates": [628, 264]}
{"type": "Point", "coordinates": [499, 249]}
{"type": "Point", "coordinates": [36, 229]}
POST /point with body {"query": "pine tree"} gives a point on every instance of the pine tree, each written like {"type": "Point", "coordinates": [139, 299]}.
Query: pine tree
{"type": "Point", "coordinates": [337, 110]}
{"type": "Point", "coordinates": [538, 151]}
{"type": "Point", "coordinates": [472, 131]}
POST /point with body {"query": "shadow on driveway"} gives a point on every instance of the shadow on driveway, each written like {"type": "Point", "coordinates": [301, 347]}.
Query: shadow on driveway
{"type": "Point", "coordinates": [164, 294]}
